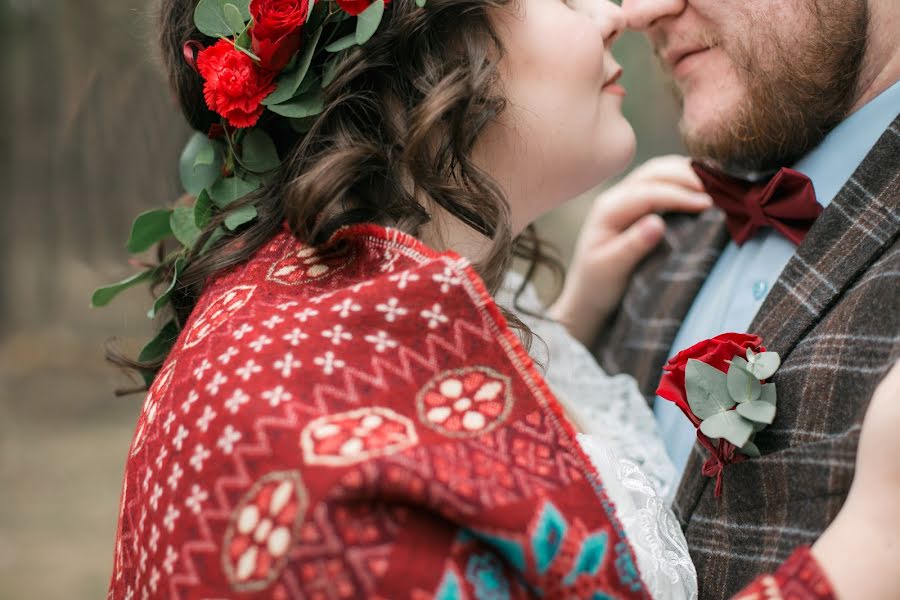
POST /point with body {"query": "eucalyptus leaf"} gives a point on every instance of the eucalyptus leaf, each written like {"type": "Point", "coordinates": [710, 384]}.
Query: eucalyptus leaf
{"type": "Point", "coordinates": [764, 365]}
{"type": "Point", "coordinates": [239, 216]}
{"type": "Point", "coordinates": [289, 82]}
{"type": "Point", "coordinates": [194, 174]}
{"type": "Point", "coordinates": [420, 3]}
{"type": "Point", "coordinates": [162, 300]}
{"type": "Point", "coordinates": [728, 425]}
{"type": "Point", "coordinates": [706, 388]}
{"type": "Point", "coordinates": [348, 41]}
{"type": "Point", "coordinates": [742, 386]}
{"type": "Point", "coordinates": [225, 191]}
{"type": "Point", "coordinates": [234, 19]}
{"type": "Point", "coordinates": [183, 225]}
{"type": "Point", "coordinates": [244, 41]}
{"type": "Point", "coordinates": [203, 209]}
{"type": "Point", "coordinates": [757, 411]}
{"type": "Point", "coordinates": [768, 394]}
{"type": "Point", "coordinates": [210, 19]}
{"type": "Point", "coordinates": [368, 21]}
{"type": "Point", "coordinates": [148, 229]}
{"type": "Point", "coordinates": [217, 234]}
{"type": "Point", "coordinates": [750, 449]}
{"type": "Point", "coordinates": [306, 106]}
{"type": "Point", "coordinates": [104, 295]}
{"type": "Point", "coordinates": [330, 71]}
{"type": "Point", "coordinates": [258, 152]}
{"type": "Point", "coordinates": [160, 345]}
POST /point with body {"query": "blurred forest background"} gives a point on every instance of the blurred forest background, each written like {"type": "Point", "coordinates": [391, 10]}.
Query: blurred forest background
{"type": "Point", "coordinates": [91, 138]}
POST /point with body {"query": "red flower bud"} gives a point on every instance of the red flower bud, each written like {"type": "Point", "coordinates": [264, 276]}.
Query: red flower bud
{"type": "Point", "coordinates": [277, 30]}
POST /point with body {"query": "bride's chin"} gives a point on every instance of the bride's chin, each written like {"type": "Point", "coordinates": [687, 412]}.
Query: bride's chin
{"type": "Point", "coordinates": [617, 150]}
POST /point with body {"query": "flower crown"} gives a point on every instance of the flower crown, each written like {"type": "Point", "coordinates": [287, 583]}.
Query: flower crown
{"type": "Point", "coordinates": [271, 55]}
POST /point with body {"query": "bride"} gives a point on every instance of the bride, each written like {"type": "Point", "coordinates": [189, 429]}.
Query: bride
{"type": "Point", "coordinates": [350, 400]}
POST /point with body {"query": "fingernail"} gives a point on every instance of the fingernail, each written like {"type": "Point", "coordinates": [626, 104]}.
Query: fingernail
{"type": "Point", "coordinates": [704, 199]}
{"type": "Point", "coordinates": [653, 225]}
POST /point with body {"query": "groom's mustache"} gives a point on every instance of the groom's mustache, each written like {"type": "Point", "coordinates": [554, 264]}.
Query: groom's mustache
{"type": "Point", "coordinates": [671, 49]}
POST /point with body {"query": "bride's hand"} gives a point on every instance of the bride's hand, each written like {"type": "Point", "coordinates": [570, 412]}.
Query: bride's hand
{"type": "Point", "coordinates": [859, 549]}
{"type": "Point", "coordinates": [622, 227]}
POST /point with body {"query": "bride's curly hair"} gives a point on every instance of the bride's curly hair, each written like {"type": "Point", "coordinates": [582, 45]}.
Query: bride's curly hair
{"type": "Point", "coordinates": [399, 125]}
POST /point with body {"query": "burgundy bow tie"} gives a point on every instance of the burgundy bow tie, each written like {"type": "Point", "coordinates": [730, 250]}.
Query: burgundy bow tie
{"type": "Point", "coordinates": [786, 202]}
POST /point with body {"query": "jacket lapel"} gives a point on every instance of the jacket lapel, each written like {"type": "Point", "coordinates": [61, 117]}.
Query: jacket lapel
{"type": "Point", "coordinates": [860, 223]}
{"type": "Point", "coordinates": [639, 337]}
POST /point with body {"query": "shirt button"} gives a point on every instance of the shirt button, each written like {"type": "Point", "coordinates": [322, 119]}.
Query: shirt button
{"type": "Point", "coordinates": [760, 287]}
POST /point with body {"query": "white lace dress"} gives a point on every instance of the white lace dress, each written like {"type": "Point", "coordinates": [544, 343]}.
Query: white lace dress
{"type": "Point", "coordinates": [621, 439]}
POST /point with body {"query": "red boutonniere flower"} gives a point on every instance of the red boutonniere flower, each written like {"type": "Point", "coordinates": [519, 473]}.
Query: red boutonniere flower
{"type": "Point", "coordinates": [355, 7]}
{"type": "Point", "coordinates": [277, 30]}
{"type": "Point", "coordinates": [719, 384]}
{"type": "Point", "coordinates": [234, 85]}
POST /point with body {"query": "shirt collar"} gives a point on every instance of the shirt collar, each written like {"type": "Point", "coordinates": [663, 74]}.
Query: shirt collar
{"type": "Point", "coordinates": [830, 164]}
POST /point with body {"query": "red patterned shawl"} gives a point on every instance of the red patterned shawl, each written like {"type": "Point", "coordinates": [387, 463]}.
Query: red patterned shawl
{"type": "Point", "coordinates": [358, 421]}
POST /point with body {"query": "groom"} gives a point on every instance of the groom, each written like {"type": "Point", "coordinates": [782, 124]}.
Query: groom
{"type": "Point", "coordinates": [811, 85]}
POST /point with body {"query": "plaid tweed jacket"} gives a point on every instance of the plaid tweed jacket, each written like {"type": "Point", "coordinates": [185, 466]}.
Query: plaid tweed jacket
{"type": "Point", "coordinates": [833, 315]}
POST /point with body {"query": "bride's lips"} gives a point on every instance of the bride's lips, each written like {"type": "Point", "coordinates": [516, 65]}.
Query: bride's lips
{"type": "Point", "coordinates": [611, 86]}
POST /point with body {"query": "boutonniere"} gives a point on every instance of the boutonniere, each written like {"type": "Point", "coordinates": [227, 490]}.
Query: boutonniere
{"type": "Point", "coordinates": [720, 385]}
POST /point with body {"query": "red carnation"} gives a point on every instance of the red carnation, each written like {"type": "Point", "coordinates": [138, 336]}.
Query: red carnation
{"type": "Point", "coordinates": [354, 7]}
{"type": "Point", "coordinates": [277, 29]}
{"type": "Point", "coordinates": [234, 85]}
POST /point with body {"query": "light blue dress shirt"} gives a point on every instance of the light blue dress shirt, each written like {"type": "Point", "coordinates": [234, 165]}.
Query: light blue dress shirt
{"type": "Point", "coordinates": [742, 277]}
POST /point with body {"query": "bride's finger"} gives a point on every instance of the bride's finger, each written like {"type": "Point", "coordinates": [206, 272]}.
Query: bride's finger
{"type": "Point", "coordinates": [650, 197]}
{"type": "Point", "coordinates": [672, 168]}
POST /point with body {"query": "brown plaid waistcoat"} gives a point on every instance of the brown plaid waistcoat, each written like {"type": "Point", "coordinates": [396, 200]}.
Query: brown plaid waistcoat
{"type": "Point", "coordinates": [833, 315]}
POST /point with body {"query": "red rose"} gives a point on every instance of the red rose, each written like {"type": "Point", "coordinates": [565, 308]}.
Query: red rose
{"type": "Point", "coordinates": [277, 30]}
{"type": "Point", "coordinates": [713, 352]}
{"type": "Point", "coordinates": [354, 7]}
{"type": "Point", "coordinates": [234, 85]}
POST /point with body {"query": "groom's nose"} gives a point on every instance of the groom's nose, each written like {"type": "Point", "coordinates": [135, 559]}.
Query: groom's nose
{"type": "Point", "coordinates": [643, 14]}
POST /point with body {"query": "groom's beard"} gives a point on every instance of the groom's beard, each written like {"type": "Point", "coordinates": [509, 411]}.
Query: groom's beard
{"type": "Point", "coordinates": [797, 91]}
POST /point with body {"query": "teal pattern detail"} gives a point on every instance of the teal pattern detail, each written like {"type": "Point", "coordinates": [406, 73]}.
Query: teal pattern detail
{"type": "Point", "coordinates": [548, 536]}
{"type": "Point", "coordinates": [601, 596]}
{"type": "Point", "coordinates": [449, 589]}
{"type": "Point", "coordinates": [508, 549]}
{"type": "Point", "coordinates": [485, 573]}
{"type": "Point", "coordinates": [590, 556]}
{"type": "Point", "coordinates": [626, 568]}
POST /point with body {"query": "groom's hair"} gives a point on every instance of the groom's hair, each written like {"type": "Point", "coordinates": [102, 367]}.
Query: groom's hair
{"type": "Point", "coordinates": [791, 106]}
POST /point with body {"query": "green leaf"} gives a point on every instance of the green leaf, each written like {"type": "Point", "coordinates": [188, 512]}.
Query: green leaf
{"type": "Point", "coordinates": [234, 19]}
{"type": "Point", "coordinates": [160, 345]}
{"type": "Point", "coordinates": [368, 21]}
{"type": "Point", "coordinates": [728, 425]}
{"type": "Point", "coordinates": [162, 300]}
{"type": "Point", "coordinates": [768, 394]}
{"type": "Point", "coordinates": [239, 216]}
{"type": "Point", "coordinates": [258, 152]}
{"type": "Point", "coordinates": [210, 19]}
{"type": "Point", "coordinates": [764, 365]}
{"type": "Point", "coordinates": [149, 228]}
{"type": "Point", "coordinates": [348, 41]}
{"type": "Point", "coordinates": [750, 449]}
{"type": "Point", "coordinates": [244, 41]}
{"type": "Point", "coordinates": [203, 209]}
{"type": "Point", "coordinates": [302, 125]}
{"type": "Point", "coordinates": [194, 172]}
{"type": "Point", "coordinates": [706, 389]}
{"type": "Point", "coordinates": [214, 237]}
{"type": "Point", "coordinates": [104, 295]}
{"type": "Point", "coordinates": [289, 82]}
{"type": "Point", "coordinates": [305, 106]}
{"type": "Point", "coordinates": [330, 71]}
{"type": "Point", "coordinates": [757, 411]}
{"type": "Point", "coordinates": [225, 191]}
{"type": "Point", "coordinates": [183, 226]}
{"type": "Point", "coordinates": [742, 386]}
